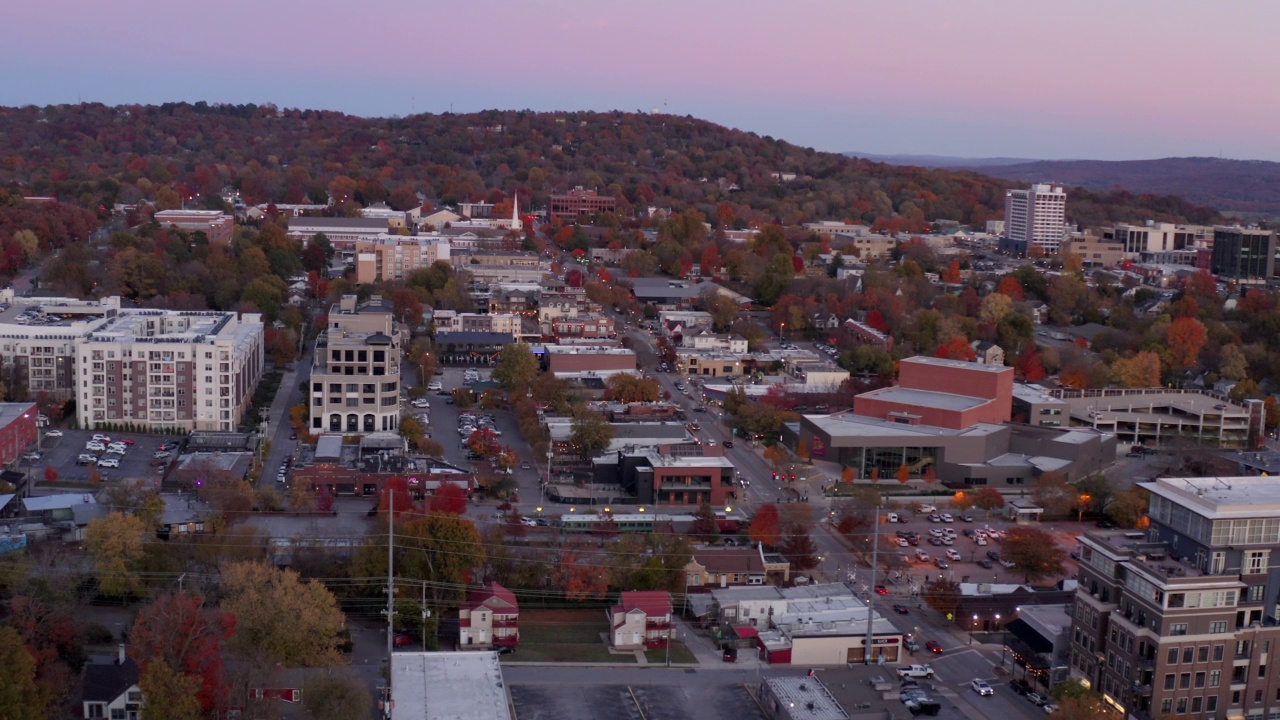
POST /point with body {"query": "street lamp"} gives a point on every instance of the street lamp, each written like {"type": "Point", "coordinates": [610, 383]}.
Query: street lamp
{"type": "Point", "coordinates": [782, 328]}
{"type": "Point", "coordinates": [972, 626]}
{"type": "Point", "coordinates": [1084, 500]}
{"type": "Point", "coordinates": [1002, 643]}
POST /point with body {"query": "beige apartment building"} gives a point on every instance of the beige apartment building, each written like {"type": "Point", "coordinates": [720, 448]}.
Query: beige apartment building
{"type": "Point", "coordinates": [453, 321]}
{"type": "Point", "coordinates": [395, 257]}
{"type": "Point", "coordinates": [169, 370]}
{"type": "Point", "coordinates": [355, 375]}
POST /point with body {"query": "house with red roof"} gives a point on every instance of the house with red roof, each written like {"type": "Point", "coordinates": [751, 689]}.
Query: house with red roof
{"type": "Point", "coordinates": [489, 617]}
{"type": "Point", "coordinates": [641, 619]}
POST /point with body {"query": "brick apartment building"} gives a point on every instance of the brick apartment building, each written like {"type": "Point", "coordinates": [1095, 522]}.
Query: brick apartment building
{"type": "Point", "coordinates": [18, 430]}
{"type": "Point", "coordinates": [169, 370]}
{"type": "Point", "coordinates": [395, 257]}
{"type": "Point", "coordinates": [1180, 619]}
{"type": "Point", "coordinates": [577, 202]}
{"type": "Point", "coordinates": [570, 359]}
{"type": "Point", "coordinates": [215, 224]}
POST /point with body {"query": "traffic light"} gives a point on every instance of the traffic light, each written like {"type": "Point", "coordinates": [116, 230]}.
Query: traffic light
{"type": "Point", "coordinates": [775, 475]}
{"type": "Point", "coordinates": [793, 477]}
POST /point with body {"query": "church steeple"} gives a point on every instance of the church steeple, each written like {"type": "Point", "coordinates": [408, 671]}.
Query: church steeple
{"type": "Point", "coordinates": [515, 211]}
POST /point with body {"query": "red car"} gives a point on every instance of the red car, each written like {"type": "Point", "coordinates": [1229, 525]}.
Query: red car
{"type": "Point", "coordinates": [882, 590]}
{"type": "Point", "coordinates": [129, 441]}
{"type": "Point", "coordinates": [403, 639]}
{"type": "Point", "coordinates": [933, 647]}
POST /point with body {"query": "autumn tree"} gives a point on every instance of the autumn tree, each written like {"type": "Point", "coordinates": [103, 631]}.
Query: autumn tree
{"type": "Point", "coordinates": [1187, 337]}
{"type": "Point", "coordinates": [799, 549]}
{"type": "Point", "coordinates": [279, 618]}
{"type": "Point", "coordinates": [988, 499]}
{"type": "Point", "coordinates": [1029, 364]}
{"type": "Point", "coordinates": [170, 694]}
{"type": "Point", "coordinates": [20, 696]}
{"type": "Point", "coordinates": [591, 434]}
{"type": "Point", "coordinates": [1140, 371]}
{"type": "Point", "coordinates": [847, 474]}
{"type": "Point", "coordinates": [774, 454]}
{"type": "Point", "coordinates": [904, 474]}
{"type": "Point", "coordinates": [942, 595]}
{"type": "Point", "coordinates": [994, 308]}
{"type": "Point", "coordinates": [114, 546]}
{"type": "Point", "coordinates": [484, 443]}
{"type": "Point", "coordinates": [516, 369]}
{"type": "Point", "coordinates": [50, 474]}
{"type": "Point", "coordinates": [628, 388]}
{"type": "Point", "coordinates": [957, 348]}
{"type": "Point", "coordinates": [1034, 553]}
{"type": "Point", "coordinates": [187, 636]}
{"type": "Point", "coordinates": [450, 499]}
{"type": "Point", "coordinates": [579, 576]}
{"type": "Point", "coordinates": [1128, 508]}
{"type": "Point", "coordinates": [336, 696]}
{"type": "Point", "coordinates": [764, 526]}
{"type": "Point", "coordinates": [705, 527]}
{"type": "Point", "coordinates": [1011, 287]}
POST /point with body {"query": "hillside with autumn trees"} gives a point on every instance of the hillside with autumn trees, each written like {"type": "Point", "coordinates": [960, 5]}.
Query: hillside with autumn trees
{"type": "Point", "coordinates": [93, 156]}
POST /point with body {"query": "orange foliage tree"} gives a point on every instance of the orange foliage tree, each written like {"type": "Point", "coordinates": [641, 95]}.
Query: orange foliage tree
{"type": "Point", "coordinates": [904, 473]}
{"type": "Point", "coordinates": [957, 348]}
{"type": "Point", "coordinates": [1187, 337]}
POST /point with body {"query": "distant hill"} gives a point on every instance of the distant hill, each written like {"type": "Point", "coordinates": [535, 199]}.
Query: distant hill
{"type": "Point", "coordinates": [940, 161]}
{"type": "Point", "coordinates": [1247, 186]}
{"type": "Point", "coordinates": [95, 156]}
{"type": "Point", "coordinates": [1229, 185]}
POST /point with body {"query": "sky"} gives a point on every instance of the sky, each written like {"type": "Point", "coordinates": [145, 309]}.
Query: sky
{"type": "Point", "coordinates": [1073, 79]}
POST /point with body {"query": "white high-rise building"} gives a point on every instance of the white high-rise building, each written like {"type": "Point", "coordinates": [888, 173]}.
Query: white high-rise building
{"type": "Point", "coordinates": [1036, 217]}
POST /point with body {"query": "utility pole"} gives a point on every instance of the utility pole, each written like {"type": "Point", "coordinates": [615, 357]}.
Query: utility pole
{"type": "Point", "coordinates": [875, 548]}
{"type": "Point", "coordinates": [391, 569]}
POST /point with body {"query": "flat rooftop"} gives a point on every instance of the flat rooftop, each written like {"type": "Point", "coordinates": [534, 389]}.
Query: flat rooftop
{"type": "Point", "coordinates": [1221, 498]}
{"type": "Point", "coordinates": [806, 698]}
{"type": "Point", "coordinates": [163, 324]}
{"type": "Point", "coordinates": [858, 426]}
{"type": "Point", "coordinates": [1151, 405]}
{"type": "Point", "coordinates": [928, 398]}
{"type": "Point", "coordinates": [958, 364]}
{"type": "Point", "coordinates": [448, 686]}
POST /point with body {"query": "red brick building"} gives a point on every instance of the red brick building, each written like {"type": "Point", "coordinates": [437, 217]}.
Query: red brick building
{"type": "Point", "coordinates": [943, 393]}
{"type": "Point", "coordinates": [18, 430]}
{"type": "Point", "coordinates": [582, 359]}
{"type": "Point", "coordinates": [578, 202]}
{"type": "Point", "coordinates": [587, 326]}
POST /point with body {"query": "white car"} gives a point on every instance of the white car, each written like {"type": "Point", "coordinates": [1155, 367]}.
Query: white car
{"type": "Point", "coordinates": [928, 509]}
{"type": "Point", "coordinates": [981, 687]}
{"type": "Point", "coordinates": [53, 433]}
{"type": "Point", "coordinates": [435, 385]}
{"type": "Point", "coordinates": [946, 517]}
{"type": "Point", "coordinates": [109, 462]}
{"type": "Point", "coordinates": [102, 438]}
{"type": "Point", "coordinates": [952, 554]}
{"type": "Point", "coordinates": [116, 450]}
{"type": "Point", "coordinates": [95, 446]}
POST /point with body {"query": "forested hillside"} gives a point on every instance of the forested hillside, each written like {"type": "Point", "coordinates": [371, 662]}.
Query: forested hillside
{"type": "Point", "coordinates": [94, 155]}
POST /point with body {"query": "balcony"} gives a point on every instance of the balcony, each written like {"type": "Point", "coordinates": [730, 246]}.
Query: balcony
{"type": "Point", "coordinates": [506, 622]}
{"type": "Point", "coordinates": [1141, 689]}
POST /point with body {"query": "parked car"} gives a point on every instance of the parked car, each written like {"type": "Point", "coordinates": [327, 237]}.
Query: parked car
{"type": "Point", "coordinates": [953, 555]}
{"type": "Point", "coordinates": [1037, 699]}
{"type": "Point", "coordinates": [730, 654]}
{"type": "Point", "coordinates": [53, 434]}
{"type": "Point", "coordinates": [102, 438]}
{"type": "Point", "coordinates": [95, 446]}
{"type": "Point", "coordinates": [1050, 708]}
{"type": "Point", "coordinates": [162, 455]}
{"type": "Point", "coordinates": [86, 459]}
{"type": "Point", "coordinates": [403, 639]}
{"type": "Point", "coordinates": [435, 385]}
{"type": "Point", "coordinates": [986, 563]}
{"type": "Point", "coordinates": [1020, 686]}
{"type": "Point", "coordinates": [109, 462]}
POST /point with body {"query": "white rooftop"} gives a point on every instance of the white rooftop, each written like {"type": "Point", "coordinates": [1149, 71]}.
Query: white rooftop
{"type": "Point", "coordinates": [806, 698]}
{"type": "Point", "coordinates": [944, 362]}
{"type": "Point", "coordinates": [1219, 498]}
{"type": "Point", "coordinates": [448, 686]}
{"type": "Point", "coordinates": [929, 398]}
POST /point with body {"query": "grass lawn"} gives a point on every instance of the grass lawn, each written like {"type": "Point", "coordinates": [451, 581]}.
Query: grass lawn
{"type": "Point", "coordinates": [679, 654]}
{"type": "Point", "coordinates": [564, 636]}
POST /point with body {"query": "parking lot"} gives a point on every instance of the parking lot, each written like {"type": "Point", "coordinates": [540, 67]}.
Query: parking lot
{"type": "Point", "coordinates": [60, 453]}
{"type": "Point", "coordinates": [705, 698]}
{"type": "Point", "coordinates": [969, 567]}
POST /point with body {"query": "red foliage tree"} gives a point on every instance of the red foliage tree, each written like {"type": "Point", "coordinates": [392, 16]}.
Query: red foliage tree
{"type": "Point", "coordinates": [50, 475]}
{"type": "Point", "coordinates": [764, 526]}
{"type": "Point", "coordinates": [450, 499]}
{"type": "Point", "coordinates": [397, 488]}
{"type": "Point", "coordinates": [179, 629]}
{"type": "Point", "coordinates": [1029, 365]}
{"type": "Point", "coordinates": [324, 499]}
{"type": "Point", "coordinates": [1011, 287]}
{"type": "Point", "coordinates": [797, 262]}
{"type": "Point", "coordinates": [1187, 337]}
{"type": "Point", "coordinates": [710, 259]}
{"type": "Point", "coordinates": [957, 348]}
{"type": "Point", "coordinates": [876, 320]}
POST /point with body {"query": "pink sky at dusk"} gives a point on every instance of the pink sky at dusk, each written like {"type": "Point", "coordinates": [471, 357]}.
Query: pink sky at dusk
{"type": "Point", "coordinates": [1085, 79]}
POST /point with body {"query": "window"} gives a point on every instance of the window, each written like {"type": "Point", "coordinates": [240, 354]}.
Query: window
{"type": "Point", "coordinates": [1195, 704]}
{"type": "Point", "coordinates": [1211, 703]}
{"type": "Point", "coordinates": [1215, 678]}
{"type": "Point", "coordinates": [1200, 679]}
{"type": "Point", "coordinates": [1173, 656]}
{"type": "Point", "coordinates": [1184, 681]}
{"type": "Point", "coordinates": [1182, 706]}
{"type": "Point", "coordinates": [1218, 627]}
{"type": "Point", "coordinates": [1256, 593]}
{"type": "Point", "coordinates": [97, 710]}
{"type": "Point", "coordinates": [1217, 649]}
{"type": "Point", "coordinates": [1178, 629]}
{"type": "Point", "coordinates": [1168, 681]}
{"type": "Point", "coordinates": [1204, 653]}
{"type": "Point", "coordinates": [1188, 654]}
{"type": "Point", "coordinates": [1255, 562]}
{"type": "Point", "coordinates": [1166, 706]}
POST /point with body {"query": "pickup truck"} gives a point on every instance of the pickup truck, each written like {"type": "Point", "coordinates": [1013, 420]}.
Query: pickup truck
{"type": "Point", "coordinates": [915, 671]}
